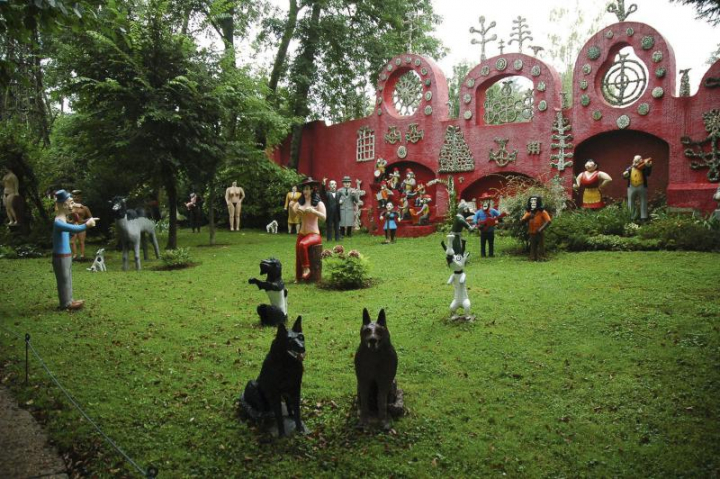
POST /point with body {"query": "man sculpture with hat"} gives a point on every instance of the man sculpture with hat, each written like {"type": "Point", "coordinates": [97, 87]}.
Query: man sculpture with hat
{"type": "Point", "coordinates": [636, 176]}
{"type": "Point", "coordinates": [348, 199]}
{"type": "Point", "coordinates": [62, 259]}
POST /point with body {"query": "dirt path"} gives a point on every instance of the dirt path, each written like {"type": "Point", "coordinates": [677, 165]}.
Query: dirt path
{"type": "Point", "coordinates": [24, 448]}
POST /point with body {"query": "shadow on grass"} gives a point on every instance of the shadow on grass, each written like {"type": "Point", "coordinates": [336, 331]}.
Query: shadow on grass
{"type": "Point", "coordinates": [174, 267]}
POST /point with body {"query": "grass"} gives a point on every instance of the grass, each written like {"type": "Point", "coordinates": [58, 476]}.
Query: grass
{"type": "Point", "coordinates": [591, 364]}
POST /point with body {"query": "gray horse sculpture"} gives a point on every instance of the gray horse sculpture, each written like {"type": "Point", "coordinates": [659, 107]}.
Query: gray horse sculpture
{"type": "Point", "coordinates": [132, 228]}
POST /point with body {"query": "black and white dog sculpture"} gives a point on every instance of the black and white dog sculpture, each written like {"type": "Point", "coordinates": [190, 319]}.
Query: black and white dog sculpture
{"type": "Point", "coordinates": [276, 312]}
{"type": "Point", "coordinates": [99, 263]}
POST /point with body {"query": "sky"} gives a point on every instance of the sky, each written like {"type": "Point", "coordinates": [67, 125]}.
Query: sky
{"type": "Point", "coordinates": [692, 40]}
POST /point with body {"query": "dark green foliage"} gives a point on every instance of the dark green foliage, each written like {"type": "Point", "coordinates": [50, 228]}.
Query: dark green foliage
{"type": "Point", "coordinates": [345, 271]}
{"type": "Point", "coordinates": [708, 10]}
{"type": "Point", "coordinates": [683, 232]}
{"type": "Point", "coordinates": [176, 258]}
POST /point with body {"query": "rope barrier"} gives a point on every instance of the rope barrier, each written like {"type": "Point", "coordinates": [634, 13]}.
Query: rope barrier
{"type": "Point", "coordinates": [150, 472]}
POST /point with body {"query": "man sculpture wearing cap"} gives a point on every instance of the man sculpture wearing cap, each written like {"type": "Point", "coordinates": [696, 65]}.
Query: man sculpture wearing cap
{"type": "Point", "coordinates": [62, 258]}
{"type": "Point", "coordinates": [348, 199]}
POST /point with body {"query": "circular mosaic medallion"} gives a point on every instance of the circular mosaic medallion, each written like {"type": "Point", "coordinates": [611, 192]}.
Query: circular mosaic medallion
{"type": "Point", "coordinates": [586, 69]}
{"type": "Point", "coordinates": [402, 151]}
{"type": "Point", "coordinates": [417, 62]}
{"type": "Point", "coordinates": [657, 56]}
{"type": "Point", "coordinates": [428, 95]}
{"type": "Point", "coordinates": [408, 59]}
{"type": "Point", "coordinates": [518, 64]}
{"type": "Point", "coordinates": [658, 92]}
{"type": "Point", "coordinates": [647, 42]}
{"type": "Point", "coordinates": [535, 71]}
{"type": "Point", "coordinates": [424, 71]}
{"type": "Point", "coordinates": [428, 110]}
{"type": "Point", "coordinates": [379, 101]}
{"type": "Point", "coordinates": [427, 82]}
{"type": "Point", "coordinates": [542, 106]}
{"type": "Point", "coordinates": [660, 72]}
{"type": "Point", "coordinates": [379, 111]}
{"type": "Point", "coordinates": [485, 70]}
{"type": "Point", "coordinates": [383, 77]}
{"type": "Point", "coordinates": [583, 84]}
{"type": "Point", "coordinates": [541, 86]}
{"type": "Point", "coordinates": [501, 64]}
{"type": "Point", "coordinates": [467, 98]}
{"type": "Point", "coordinates": [593, 52]}
{"type": "Point", "coordinates": [630, 32]}
{"type": "Point", "coordinates": [470, 82]}
{"type": "Point", "coordinates": [597, 115]}
{"type": "Point", "coordinates": [623, 122]}
{"type": "Point", "coordinates": [609, 34]}
{"type": "Point", "coordinates": [584, 100]}
{"type": "Point", "coordinates": [398, 61]}
{"type": "Point", "coordinates": [467, 115]}
{"type": "Point", "coordinates": [643, 109]}
{"type": "Point", "coordinates": [389, 68]}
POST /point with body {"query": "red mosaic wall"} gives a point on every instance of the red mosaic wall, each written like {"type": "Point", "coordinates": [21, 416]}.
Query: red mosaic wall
{"type": "Point", "coordinates": [652, 125]}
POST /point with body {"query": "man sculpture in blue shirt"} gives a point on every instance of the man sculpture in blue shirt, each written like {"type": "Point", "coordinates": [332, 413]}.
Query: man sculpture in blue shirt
{"type": "Point", "coordinates": [486, 218]}
{"type": "Point", "coordinates": [62, 257]}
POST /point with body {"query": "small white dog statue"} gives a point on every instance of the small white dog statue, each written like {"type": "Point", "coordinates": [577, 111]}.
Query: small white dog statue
{"type": "Point", "coordinates": [272, 227]}
{"type": "Point", "coordinates": [456, 261]}
{"type": "Point", "coordinates": [99, 263]}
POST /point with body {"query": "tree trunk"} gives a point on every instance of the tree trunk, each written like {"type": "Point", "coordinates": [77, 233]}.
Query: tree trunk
{"type": "Point", "coordinates": [284, 45]}
{"type": "Point", "coordinates": [39, 93]}
{"type": "Point", "coordinates": [304, 76]}
{"type": "Point", "coordinates": [211, 211]}
{"type": "Point", "coordinates": [171, 189]}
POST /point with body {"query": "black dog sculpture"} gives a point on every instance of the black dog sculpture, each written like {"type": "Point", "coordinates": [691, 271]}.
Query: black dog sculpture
{"type": "Point", "coordinates": [280, 378]}
{"type": "Point", "coordinates": [276, 312]}
{"type": "Point", "coordinates": [375, 367]}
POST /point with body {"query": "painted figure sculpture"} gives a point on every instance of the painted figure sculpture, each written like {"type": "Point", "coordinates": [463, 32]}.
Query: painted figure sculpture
{"type": "Point", "coordinates": [486, 218]}
{"type": "Point", "coordinates": [456, 260]}
{"type": "Point", "coordinates": [716, 197]}
{"type": "Point", "coordinates": [331, 199]}
{"type": "Point", "coordinates": [390, 218]}
{"type": "Point", "coordinates": [293, 220]}
{"type": "Point", "coordinates": [348, 203]}
{"type": "Point", "coordinates": [538, 219]}
{"type": "Point", "coordinates": [310, 209]}
{"type": "Point", "coordinates": [11, 190]}
{"type": "Point", "coordinates": [80, 214]}
{"type": "Point", "coordinates": [133, 230]}
{"type": "Point", "coordinates": [194, 206]}
{"type": "Point", "coordinates": [636, 176]}
{"type": "Point", "coordinates": [276, 312]}
{"type": "Point", "coordinates": [234, 196]}
{"type": "Point", "coordinates": [279, 383]}
{"type": "Point", "coordinates": [62, 260]}
{"type": "Point", "coordinates": [375, 367]}
{"type": "Point", "coordinates": [592, 181]}
{"type": "Point", "coordinates": [460, 223]}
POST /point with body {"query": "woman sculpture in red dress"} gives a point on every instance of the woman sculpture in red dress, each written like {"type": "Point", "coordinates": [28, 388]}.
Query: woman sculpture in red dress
{"type": "Point", "coordinates": [593, 181]}
{"type": "Point", "coordinates": [309, 209]}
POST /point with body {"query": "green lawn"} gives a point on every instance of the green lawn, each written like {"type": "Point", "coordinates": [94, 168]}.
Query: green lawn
{"type": "Point", "coordinates": [590, 364]}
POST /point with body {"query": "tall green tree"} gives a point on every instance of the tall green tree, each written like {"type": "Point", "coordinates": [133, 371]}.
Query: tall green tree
{"type": "Point", "coordinates": [708, 10]}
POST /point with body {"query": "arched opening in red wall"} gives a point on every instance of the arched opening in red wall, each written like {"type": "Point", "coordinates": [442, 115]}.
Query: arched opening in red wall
{"type": "Point", "coordinates": [614, 151]}
{"type": "Point", "coordinates": [490, 184]}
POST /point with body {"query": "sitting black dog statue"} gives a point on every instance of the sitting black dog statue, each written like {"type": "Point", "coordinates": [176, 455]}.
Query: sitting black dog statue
{"type": "Point", "coordinates": [280, 379]}
{"type": "Point", "coordinates": [375, 367]}
{"type": "Point", "coordinates": [276, 312]}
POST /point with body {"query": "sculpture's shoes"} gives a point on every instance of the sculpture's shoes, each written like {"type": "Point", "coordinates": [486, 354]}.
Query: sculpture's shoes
{"type": "Point", "coordinates": [75, 305]}
{"type": "Point", "coordinates": [306, 275]}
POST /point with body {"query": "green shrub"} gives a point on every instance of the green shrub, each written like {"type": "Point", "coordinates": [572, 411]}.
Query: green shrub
{"type": "Point", "coordinates": [686, 232]}
{"type": "Point", "coordinates": [176, 258]}
{"type": "Point", "coordinates": [345, 270]}
{"type": "Point", "coordinates": [20, 252]}
{"type": "Point", "coordinates": [621, 243]}
{"type": "Point", "coordinates": [8, 252]}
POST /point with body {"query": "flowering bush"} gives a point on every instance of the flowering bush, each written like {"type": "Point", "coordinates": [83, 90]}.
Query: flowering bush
{"type": "Point", "coordinates": [345, 271]}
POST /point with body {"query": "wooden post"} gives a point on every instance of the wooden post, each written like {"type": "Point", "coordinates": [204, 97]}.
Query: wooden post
{"type": "Point", "coordinates": [315, 254]}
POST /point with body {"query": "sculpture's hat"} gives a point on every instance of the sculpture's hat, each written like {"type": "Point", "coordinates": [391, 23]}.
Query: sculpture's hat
{"type": "Point", "coordinates": [309, 182]}
{"type": "Point", "coordinates": [346, 179]}
{"type": "Point", "coordinates": [486, 196]}
{"type": "Point", "coordinates": [61, 196]}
